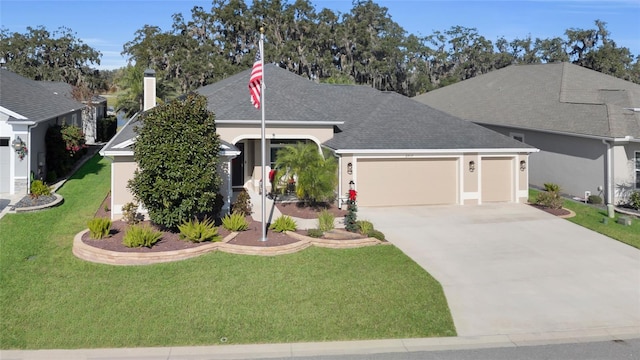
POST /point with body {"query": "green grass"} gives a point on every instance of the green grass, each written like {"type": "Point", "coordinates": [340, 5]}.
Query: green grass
{"type": "Point", "coordinates": [591, 217]}
{"type": "Point", "coordinates": [50, 299]}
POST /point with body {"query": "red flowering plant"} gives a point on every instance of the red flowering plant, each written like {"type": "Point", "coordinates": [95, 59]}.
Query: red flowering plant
{"type": "Point", "coordinates": [351, 219]}
{"type": "Point", "coordinates": [73, 138]}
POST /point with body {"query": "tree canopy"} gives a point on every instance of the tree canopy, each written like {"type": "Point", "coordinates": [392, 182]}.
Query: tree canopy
{"type": "Point", "coordinates": [363, 46]}
{"type": "Point", "coordinates": [177, 151]}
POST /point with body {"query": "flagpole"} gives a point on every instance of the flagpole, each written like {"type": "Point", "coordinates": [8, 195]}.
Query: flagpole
{"type": "Point", "coordinates": [263, 141]}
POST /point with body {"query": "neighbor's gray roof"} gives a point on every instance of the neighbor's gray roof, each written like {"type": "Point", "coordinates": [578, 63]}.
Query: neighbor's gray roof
{"type": "Point", "coordinates": [62, 88]}
{"type": "Point", "coordinates": [31, 99]}
{"type": "Point", "coordinates": [370, 119]}
{"type": "Point", "coordinates": [363, 118]}
{"type": "Point", "coordinates": [559, 97]}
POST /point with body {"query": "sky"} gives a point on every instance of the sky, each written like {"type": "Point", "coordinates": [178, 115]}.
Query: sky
{"type": "Point", "coordinates": [106, 25]}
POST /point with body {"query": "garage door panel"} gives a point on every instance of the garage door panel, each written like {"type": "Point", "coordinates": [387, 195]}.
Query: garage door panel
{"type": "Point", "coordinates": [389, 182]}
{"type": "Point", "coordinates": [5, 163]}
{"type": "Point", "coordinates": [497, 179]}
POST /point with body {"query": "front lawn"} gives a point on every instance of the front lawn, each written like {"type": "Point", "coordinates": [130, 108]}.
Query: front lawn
{"type": "Point", "coordinates": [50, 299]}
{"type": "Point", "coordinates": [591, 217]}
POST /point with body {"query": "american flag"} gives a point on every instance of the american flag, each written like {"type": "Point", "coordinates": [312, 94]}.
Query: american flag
{"type": "Point", "coordinates": [255, 81]}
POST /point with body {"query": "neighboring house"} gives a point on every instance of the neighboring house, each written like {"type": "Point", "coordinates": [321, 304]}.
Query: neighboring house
{"type": "Point", "coordinates": [96, 108]}
{"type": "Point", "coordinates": [27, 109]}
{"type": "Point", "coordinates": [585, 123]}
{"type": "Point", "coordinates": [395, 150]}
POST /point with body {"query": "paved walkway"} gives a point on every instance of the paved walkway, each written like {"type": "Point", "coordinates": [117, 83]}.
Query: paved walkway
{"type": "Point", "coordinates": [513, 269]}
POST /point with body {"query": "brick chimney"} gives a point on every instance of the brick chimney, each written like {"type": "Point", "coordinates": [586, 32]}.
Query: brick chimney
{"type": "Point", "coordinates": [149, 96]}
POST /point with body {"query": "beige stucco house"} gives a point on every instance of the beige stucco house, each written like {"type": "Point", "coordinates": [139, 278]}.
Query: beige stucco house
{"type": "Point", "coordinates": [395, 150]}
{"type": "Point", "coordinates": [585, 123]}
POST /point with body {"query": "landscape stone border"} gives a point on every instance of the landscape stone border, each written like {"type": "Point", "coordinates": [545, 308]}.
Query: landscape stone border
{"type": "Point", "coordinates": [59, 199]}
{"type": "Point", "coordinates": [93, 254]}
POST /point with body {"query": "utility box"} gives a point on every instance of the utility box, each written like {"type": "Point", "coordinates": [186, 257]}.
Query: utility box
{"type": "Point", "coordinates": [624, 220]}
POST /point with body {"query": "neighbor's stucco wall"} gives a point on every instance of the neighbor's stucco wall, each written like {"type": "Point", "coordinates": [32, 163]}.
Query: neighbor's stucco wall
{"type": "Point", "coordinates": [576, 164]}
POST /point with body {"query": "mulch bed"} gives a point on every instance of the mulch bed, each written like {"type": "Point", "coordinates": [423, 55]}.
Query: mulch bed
{"type": "Point", "coordinates": [171, 241]}
{"type": "Point", "coordinates": [29, 201]}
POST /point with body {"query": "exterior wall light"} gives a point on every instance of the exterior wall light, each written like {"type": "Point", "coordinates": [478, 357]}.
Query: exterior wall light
{"type": "Point", "coordinates": [17, 143]}
{"type": "Point", "coordinates": [349, 168]}
{"type": "Point", "coordinates": [352, 185]}
{"type": "Point", "coordinates": [523, 165]}
{"type": "Point", "coordinates": [472, 166]}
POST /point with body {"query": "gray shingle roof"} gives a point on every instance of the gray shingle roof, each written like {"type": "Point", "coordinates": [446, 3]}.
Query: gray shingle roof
{"type": "Point", "coordinates": [364, 118]}
{"type": "Point", "coordinates": [559, 97]}
{"type": "Point", "coordinates": [372, 119]}
{"type": "Point", "coordinates": [31, 99]}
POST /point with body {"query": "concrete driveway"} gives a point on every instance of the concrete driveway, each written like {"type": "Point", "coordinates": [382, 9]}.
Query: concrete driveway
{"type": "Point", "coordinates": [513, 269]}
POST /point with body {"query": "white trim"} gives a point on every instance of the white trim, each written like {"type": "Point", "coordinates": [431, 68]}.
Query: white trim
{"type": "Point", "coordinates": [627, 138]}
{"type": "Point", "coordinates": [522, 193]}
{"type": "Point", "coordinates": [278, 122]}
{"type": "Point", "coordinates": [13, 114]}
{"type": "Point", "coordinates": [473, 195]}
{"type": "Point", "coordinates": [412, 152]}
{"type": "Point", "coordinates": [125, 143]}
{"type": "Point", "coordinates": [636, 168]}
{"type": "Point", "coordinates": [277, 137]}
{"type": "Point", "coordinates": [116, 153]}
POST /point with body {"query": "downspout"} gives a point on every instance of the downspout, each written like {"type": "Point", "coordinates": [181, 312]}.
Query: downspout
{"type": "Point", "coordinates": [339, 179]}
{"type": "Point", "coordinates": [610, 210]}
{"type": "Point", "coordinates": [29, 127]}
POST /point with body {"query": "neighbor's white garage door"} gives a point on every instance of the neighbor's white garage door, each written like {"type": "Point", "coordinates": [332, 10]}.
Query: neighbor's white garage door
{"type": "Point", "coordinates": [5, 159]}
{"type": "Point", "coordinates": [393, 182]}
{"type": "Point", "coordinates": [497, 179]}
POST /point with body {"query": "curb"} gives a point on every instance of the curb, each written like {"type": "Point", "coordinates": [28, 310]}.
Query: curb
{"type": "Point", "coordinates": [335, 348]}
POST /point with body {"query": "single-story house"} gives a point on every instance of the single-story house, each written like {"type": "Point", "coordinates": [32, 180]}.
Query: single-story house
{"type": "Point", "coordinates": [585, 123]}
{"type": "Point", "coordinates": [95, 110]}
{"type": "Point", "coordinates": [27, 109]}
{"type": "Point", "coordinates": [396, 151]}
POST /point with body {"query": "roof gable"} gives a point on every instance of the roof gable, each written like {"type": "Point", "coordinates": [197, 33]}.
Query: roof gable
{"type": "Point", "coordinates": [31, 99]}
{"type": "Point", "coordinates": [363, 118]}
{"type": "Point", "coordinates": [559, 97]}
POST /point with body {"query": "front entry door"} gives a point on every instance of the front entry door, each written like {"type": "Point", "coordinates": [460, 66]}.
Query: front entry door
{"type": "Point", "coordinates": [237, 168]}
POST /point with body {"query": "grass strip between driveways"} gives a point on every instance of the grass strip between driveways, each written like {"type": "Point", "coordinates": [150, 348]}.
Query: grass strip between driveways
{"type": "Point", "coordinates": [591, 217]}
{"type": "Point", "coordinates": [50, 299]}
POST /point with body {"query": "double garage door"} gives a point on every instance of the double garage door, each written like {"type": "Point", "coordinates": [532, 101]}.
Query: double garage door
{"type": "Point", "coordinates": [389, 182]}
{"type": "Point", "coordinates": [433, 181]}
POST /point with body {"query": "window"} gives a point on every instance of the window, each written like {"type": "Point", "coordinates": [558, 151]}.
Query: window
{"type": "Point", "coordinates": [637, 169]}
{"type": "Point", "coordinates": [4, 142]}
{"type": "Point", "coordinates": [517, 136]}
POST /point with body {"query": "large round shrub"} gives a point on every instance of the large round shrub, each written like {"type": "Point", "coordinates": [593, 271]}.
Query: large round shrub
{"type": "Point", "coordinates": [177, 154]}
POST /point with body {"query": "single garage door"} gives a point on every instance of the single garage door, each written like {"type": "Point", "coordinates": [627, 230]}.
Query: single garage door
{"type": "Point", "coordinates": [391, 182]}
{"type": "Point", "coordinates": [497, 179]}
{"type": "Point", "coordinates": [5, 159]}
